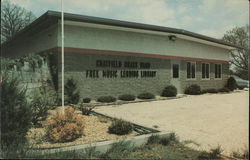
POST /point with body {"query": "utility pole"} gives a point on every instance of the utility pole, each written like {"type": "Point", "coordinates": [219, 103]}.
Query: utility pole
{"type": "Point", "coordinates": [62, 22]}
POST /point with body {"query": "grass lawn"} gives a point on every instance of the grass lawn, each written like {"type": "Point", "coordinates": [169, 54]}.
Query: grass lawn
{"type": "Point", "coordinates": [156, 148]}
{"type": "Point", "coordinates": [167, 147]}
{"type": "Point", "coordinates": [157, 151]}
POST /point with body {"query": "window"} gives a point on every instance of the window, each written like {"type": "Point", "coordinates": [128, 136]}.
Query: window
{"type": "Point", "coordinates": [217, 71]}
{"type": "Point", "coordinates": [175, 70]}
{"type": "Point", "coordinates": [190, 70]}
{"type": "Point", "coordinates": [205, 70]}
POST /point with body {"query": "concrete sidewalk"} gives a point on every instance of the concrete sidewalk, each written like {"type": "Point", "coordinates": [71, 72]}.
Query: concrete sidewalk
{"type": "Point", "coordinates": [210, 119]}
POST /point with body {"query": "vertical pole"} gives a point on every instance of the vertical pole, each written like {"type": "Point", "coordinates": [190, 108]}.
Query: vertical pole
{"type": "Point", "coordinates": [62, 22]}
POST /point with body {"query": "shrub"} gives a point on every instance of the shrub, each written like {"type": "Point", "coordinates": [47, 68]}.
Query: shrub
{"type": "Point", "coordinates": [241, 155]}
{"type": "Point", "coordinates": [169, 91]}
{"type": "Point", "coordinates": [211, 90]}
{"type": "Point", "coordinates": [65, 127]}
{"type": "Point", "coordinates": [120, 127]}
{"type": "Point", "coordinates": [204, 91]}
{"type": "Point", "coordinates": [15, 112]}
{"type": "Point", "coordinates": [86, 109]}
{"type": "Point", "coordinates": [241, 87]}
{"type": "Point", "coordinates": [146, 95]}
{"type": "Point", "coordinates": [231, 83]}
{"type": "Point", "coordinates": [71, 93]}
{"type": "Point", "coordinates": [53, 69]}
{"type": "Point", "coordinates": [41, 102]}
{"type": "Point", "coordinates": [212, 154]}
{"type": "Point", "coordinates": [154, 139]}
{"type": "Point", "coordinates": [193, 90]}
{"type": "Point", "coordinates": [204, 155]}
{"type": "Point", "coordinates": [15, 151]}
{"type": "Point", "coordinates": [126, 97]}
{"type": "Point", "coordinates": [86, 100]}
{"type": "Point", "coordinates": [117, 150]}
{"type": "Point", "coordinates": [215, 153]}
{"type": "Point", "coordinates": [245, 154]}
{"type": "Point", "coordinates": [224, 90]}
{"type": "Point", "coordinates": [173, 138]}
{"type": "Point", "coordinates": [106, 99]}
{"type": "Point", "coordinates": [166, 140]}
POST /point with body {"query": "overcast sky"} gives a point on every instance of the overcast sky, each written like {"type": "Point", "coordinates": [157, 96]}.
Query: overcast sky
{"type": "Point", "coordinates": [209, 17]}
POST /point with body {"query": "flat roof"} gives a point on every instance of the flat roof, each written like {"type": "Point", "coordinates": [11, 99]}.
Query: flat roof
{"type": "Point", "coordinates": [52, 17]}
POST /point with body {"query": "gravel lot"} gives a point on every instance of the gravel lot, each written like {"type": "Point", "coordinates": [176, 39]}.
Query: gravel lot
{"type": "Point", "coordinates": [210, 119]}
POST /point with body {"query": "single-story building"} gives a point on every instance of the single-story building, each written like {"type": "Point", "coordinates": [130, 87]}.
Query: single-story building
{"type": "Point", "coordinates": [112, 57]}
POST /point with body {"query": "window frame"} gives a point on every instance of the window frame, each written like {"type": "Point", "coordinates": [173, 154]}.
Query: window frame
{"type": "Point", "coordinates": [172, 71]}
{"type": "Point", "coordinates": [191, 70]}
{"type": "Point", "coordinates": [205, 71]}
{"type": "Point", "coordinates": [220, 71]}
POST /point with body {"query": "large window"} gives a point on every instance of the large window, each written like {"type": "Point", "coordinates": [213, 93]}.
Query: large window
{"type": "Point", "coordinates": [205, 71]}
{"type": "Point", "coordinates": [217, 71]}
{"type": "Point", "coordinates": [175, 69]}
{"type": "Point", "coordinates": [191, 70]}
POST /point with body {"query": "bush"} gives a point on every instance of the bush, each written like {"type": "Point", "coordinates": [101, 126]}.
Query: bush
{"type": "Point", "coordinates": [212, 154]}
{"type": "Point", "coordinates": [173, 138]}
{"type": "Point", "coordinates": [216, 152]}
{"type": "Point", "coordinates": [16, 151]}
{"type": "Point", "coordinates": [154, 139]}
{"type": "Point", "coordinates": [169, 91]}
{"type": "Point", "coordinates": [231, 83]}
{"type": "Point", "coordinates": [241, 87]}
{"type": "Point", "coordinates": [204, 91]}
{"type": "Point", "coordinates": [241, 155]}
{"type": "Point", "coordinates": [71, 93]}
{"type": "Point", "coordinates": [211, 90]}
{"type": "Point", "coordinates": [120, 127]}
{"type": "Point", "coordinates": [86, 100]}
{"type": "Point", "coordinates": [106, 99]}
{"type": "Point", "coordinates": [126, 97]}
{"type": "Point", "coordinates": [15, 112]}
{"type": "Point", "coordinates": [65, 127]}
{"type": "Point", "coordinates": [224, 90]}
{"type": "Point", "coordinates": [193, 90]}
{"type": "Point", "coordinates": [146, 95]}
{"type": "Point", "coordinates": [118, 150]}
{"type": "Point", "coordinates": [166, 140]}
{"type": "Point", "coordinates": [41, 102]}
{"type": "Point", "coordinates": [86, 109]}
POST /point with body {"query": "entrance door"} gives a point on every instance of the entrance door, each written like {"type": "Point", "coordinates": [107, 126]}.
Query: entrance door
{"type": "Point", "coordinates": [175, 74]}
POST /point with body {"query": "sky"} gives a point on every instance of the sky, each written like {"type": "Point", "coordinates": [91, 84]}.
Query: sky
{"type": "Point", "coordinates": [208, 17]}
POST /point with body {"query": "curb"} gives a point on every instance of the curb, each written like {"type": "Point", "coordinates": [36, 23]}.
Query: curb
{"type": "Point", "coordinates": [146, 130]}
{"type": "Point", "coordinates": [137, 101]}
{"type": "Point", "coordinates": [101, 147]}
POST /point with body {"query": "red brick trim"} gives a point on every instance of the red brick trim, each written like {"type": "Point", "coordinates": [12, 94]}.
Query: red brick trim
{"type": "Point", "coordinates": [135, 54]}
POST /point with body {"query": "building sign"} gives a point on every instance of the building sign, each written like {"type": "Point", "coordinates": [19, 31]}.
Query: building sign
{"type": "Point", "coordinates": [136, 69]}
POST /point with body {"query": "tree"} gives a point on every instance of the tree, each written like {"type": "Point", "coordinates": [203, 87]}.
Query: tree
{"type": "Point", "coordinates": [239, 57]}
{"type": "Point", "coordinates": [15, 112]}
{"type": "Point", "coordinates": [13, 19]}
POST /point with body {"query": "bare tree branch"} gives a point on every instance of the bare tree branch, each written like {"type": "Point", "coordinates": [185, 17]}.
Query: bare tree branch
{"type": "Point", "coordinates": [13, 19]}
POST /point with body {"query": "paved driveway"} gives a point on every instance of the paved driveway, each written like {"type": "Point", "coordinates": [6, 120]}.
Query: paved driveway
{"type": "Point", "coordinates": [210, 119]}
